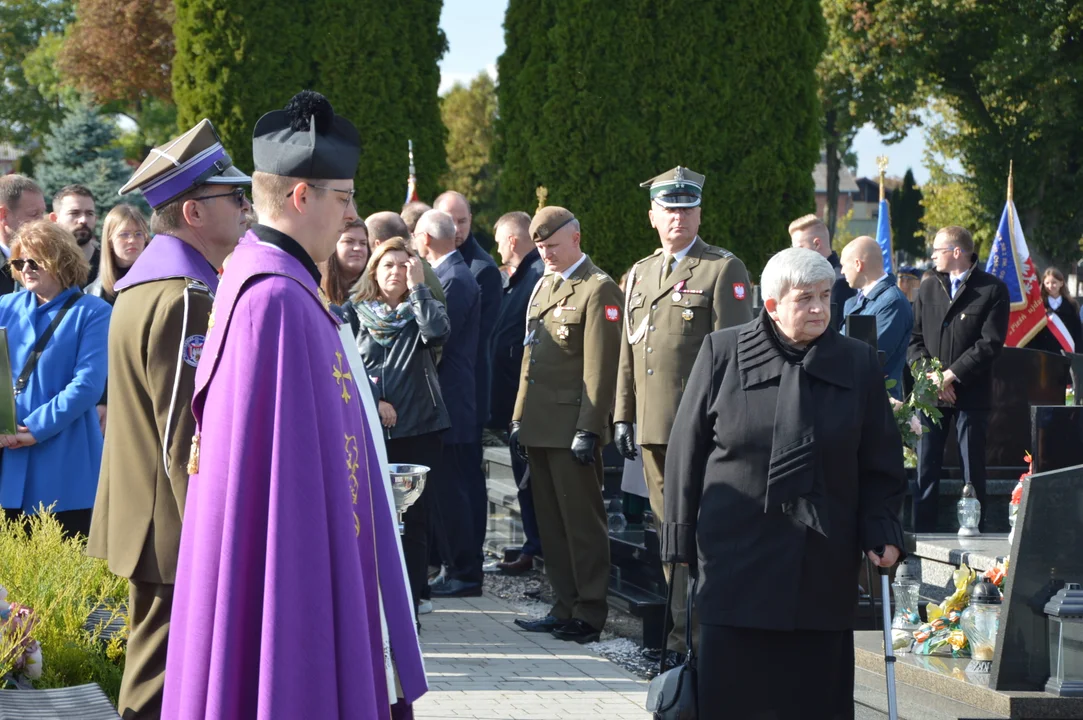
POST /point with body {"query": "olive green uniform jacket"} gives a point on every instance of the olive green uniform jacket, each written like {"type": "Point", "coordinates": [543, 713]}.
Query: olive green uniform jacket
{"type": "Point", "coordinates": [664, 326]}
{"type": "Point", "coordinates": [572, 347]}
{"type": "Point", "coordinates": [154, 344]}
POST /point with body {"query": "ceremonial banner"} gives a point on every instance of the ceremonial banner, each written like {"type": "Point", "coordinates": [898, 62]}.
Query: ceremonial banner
{"type": "Point", "coordinates": [1010, 261]}
{"type": "Point", "coordinates": [883, 235]}
{"type": "Point", "coordinates": [411, 181]}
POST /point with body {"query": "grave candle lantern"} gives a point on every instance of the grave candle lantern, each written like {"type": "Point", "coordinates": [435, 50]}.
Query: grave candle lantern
{"type": "Point", "coordinates": [969, 512]}
{"type": "Point", "coordinates": [980, 622]}
{"type": "Point", "coordinates": [1064, 616]}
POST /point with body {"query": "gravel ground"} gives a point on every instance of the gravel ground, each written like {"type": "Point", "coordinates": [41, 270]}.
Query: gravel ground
{"type": "Point", "coordinates": [530, 594]}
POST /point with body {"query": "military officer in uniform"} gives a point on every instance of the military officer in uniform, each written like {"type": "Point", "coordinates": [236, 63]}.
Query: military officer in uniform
{"type": "Point", "coordinates": [673, 299]}
{"type": "Point", "coordinates": [160, 319]}
{"type": "Point", "coordinates": [562, 418]}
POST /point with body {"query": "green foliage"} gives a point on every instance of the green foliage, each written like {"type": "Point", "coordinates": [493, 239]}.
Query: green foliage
{"type": "Point", "coordinates": [376, 63]}
{"type": "Point", "coordinates": [82, 149]}
{"type": "Point", "coordinates": [952, 199]}
{"type": "Point", "coordinates": [598, 97]}
{"type": "Point", "coordinates": [25, 113]}
{"type": "Point", "coordinates": [920, 404]}
{"type": "Point", "coordinates": [1007, 73]}
{"type": "Point", "coordinates": [907, 228]}
{"type": "Point", "coordinates": [62, 585]}
{"type": "Point", "coordinates": [469, 114]}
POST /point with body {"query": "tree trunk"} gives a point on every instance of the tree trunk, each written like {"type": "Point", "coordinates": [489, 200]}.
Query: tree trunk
{"type": "Point", "coordinates": [832, 150]}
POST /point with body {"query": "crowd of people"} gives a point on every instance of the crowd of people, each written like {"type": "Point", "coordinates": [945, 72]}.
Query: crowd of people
{"type": "Point", "coordinates": [232, 398]}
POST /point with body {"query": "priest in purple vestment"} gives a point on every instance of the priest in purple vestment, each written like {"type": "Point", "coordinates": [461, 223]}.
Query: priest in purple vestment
{"type": "Point", "coordinates": [291, 599]}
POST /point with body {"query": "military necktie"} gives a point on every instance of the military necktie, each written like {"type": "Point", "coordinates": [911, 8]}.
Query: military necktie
{"type": "Point", "coordinates": [667, 267]}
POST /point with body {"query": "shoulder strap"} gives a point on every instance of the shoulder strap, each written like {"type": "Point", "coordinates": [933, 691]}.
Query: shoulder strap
{"type": "Point", "coordinates": [39, 347]}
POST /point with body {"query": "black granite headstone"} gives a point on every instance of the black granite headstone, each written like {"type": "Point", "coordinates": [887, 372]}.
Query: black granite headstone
{"type": "Point", "coordinates": [862, 327]}
{"type": "Point", "coordinates": [1047, 553]}
{"type": "Point", "coordinates": [1056, 436]}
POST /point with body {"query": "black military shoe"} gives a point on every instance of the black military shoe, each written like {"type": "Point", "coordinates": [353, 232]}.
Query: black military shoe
{"type": "Point", "coordinates": [578, 631]}
{"type": "Point", "coordinates": [455, 588]}
{"type": "Point", "coordinates": [546, 624]}
{"type": "Point", "coordinates": [673, 658]}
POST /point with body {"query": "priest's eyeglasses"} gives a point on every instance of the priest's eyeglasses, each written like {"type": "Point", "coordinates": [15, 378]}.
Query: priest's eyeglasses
{"type": "Point", "coordinates": [348, 193]}
{"type": "Point", "coordinates": [238, 194]}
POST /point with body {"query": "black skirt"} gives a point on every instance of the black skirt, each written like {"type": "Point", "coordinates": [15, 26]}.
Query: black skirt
{"type": "Point", "coordinates": [752, 674]}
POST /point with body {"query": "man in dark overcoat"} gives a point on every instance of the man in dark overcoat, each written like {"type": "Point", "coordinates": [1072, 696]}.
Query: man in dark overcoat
{"type": "Point", "coordinates": [784, 468]}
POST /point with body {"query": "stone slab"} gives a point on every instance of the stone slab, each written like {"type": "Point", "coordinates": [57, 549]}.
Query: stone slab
{"type": "Point", "coordinates": [947, 677]}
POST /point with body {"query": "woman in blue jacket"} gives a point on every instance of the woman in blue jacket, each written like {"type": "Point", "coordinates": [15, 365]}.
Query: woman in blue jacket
{"type": "Point", "coordinates": [55, 454]}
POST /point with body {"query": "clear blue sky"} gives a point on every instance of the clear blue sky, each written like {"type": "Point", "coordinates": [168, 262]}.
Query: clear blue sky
{"type": "Point", "coordinates": [475, 33]}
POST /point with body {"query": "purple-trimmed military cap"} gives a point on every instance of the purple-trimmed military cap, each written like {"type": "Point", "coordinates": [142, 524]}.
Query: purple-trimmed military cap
{"type": "Point", "coordinates": [193, 159]}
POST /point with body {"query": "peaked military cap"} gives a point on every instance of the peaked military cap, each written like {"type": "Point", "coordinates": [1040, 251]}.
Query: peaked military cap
{"type": "Point", "coordinates": [193, 159]}
{"type": "Point", "coordinates": [547, 221]}
{"type": "Point", "coordinates": [306, 140]}
{"type": "Point", "coordinates": [679, 187]}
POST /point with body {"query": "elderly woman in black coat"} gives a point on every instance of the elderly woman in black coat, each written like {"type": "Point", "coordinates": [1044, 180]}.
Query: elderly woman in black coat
{"type": "Point", "coordinates": [784, 468]}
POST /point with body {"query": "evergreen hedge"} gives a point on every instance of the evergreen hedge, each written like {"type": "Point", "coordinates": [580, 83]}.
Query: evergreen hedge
{"type": "Point", "coordinates": [376, 62]}
{"type": "Point", "coordinates": [596, 97]}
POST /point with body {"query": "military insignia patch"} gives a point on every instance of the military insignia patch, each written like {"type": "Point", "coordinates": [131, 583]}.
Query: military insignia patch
{"type": "Point", "coordinates": [562, 332]}
{"type": "Point", "coordinates": [193, 348]}
{"type": "Point", "coordinates": [739, 291]}
{"type": "Point", "coordinates": [612, 313]}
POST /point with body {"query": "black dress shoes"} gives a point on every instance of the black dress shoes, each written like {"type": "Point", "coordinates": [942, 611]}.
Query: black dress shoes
{"type": "Point", "coordinates": [546, 624]}
{"type": "Point", "coordinates": [454, 588]}
{"type": "Point", "coordinates": [673, 658]}
{"type": "Point", "coordinates": [518, 566]}
{"type": "Point", "coordinates": [578, 631]}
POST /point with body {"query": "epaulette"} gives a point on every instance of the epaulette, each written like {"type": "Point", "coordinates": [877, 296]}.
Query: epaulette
{"type": "Point", "coordinates": [601, 276]}
{"type": "Point", "coordinates": [198, 286]}
{"type": "Point", "coordinates": [718, 251]}
{"type": "Point", "coordinates": [640, 261]}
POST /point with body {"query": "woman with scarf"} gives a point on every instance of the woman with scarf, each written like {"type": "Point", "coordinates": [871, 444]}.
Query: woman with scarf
{"type": "Point", "coordinates": [399, 323]}
{"type": "Point", "coordinates": [784, 469]}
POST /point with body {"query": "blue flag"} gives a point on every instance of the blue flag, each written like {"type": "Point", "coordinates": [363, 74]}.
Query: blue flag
{"type": "Point", "coordinates": [883, 235]}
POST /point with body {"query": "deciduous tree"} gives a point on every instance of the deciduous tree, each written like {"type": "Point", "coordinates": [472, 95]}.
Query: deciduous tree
{"type": "Point", "coordinates": [469, 114]}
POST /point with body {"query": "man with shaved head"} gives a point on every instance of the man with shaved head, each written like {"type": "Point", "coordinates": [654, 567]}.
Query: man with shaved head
{"type": "Point", "coordinates": [487, 275]}
{"type": "Point", "coordinates": [383, 226]}
{"type": "Point", "coordinates": [879, 295]}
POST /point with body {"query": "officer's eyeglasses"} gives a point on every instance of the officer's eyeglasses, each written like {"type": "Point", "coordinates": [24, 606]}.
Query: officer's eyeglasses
{"type": "Point", "coordinates": [28, 263]}
{"type": "Point", "coordinates": [237, 194]}
{"type": "Point", "coordinates": [945, 249]}
{"type": "Point", "coordinates": [137, 235]}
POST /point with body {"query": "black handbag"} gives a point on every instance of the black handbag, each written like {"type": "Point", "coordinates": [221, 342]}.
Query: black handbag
{"type": "Point", "coordinates": [672, 694]}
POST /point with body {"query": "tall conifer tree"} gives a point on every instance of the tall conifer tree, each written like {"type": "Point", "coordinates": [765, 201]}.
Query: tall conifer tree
{"type": "Point", "coordinates": [375, 62]}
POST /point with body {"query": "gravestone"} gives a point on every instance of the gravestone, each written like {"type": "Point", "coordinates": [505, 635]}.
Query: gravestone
{"type": "Point", "coordinates": [1046, 554]}
{"type": "Point", "coordinates": [861, 327]}
{"type": "Point", "coordinates": [1056, 436]}
{"type": "Point", "coordinates": [1076, 361]}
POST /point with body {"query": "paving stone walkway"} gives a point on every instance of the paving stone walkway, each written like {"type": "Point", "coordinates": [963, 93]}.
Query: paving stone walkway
{"type": "Point", "coordinates": [481, 666]}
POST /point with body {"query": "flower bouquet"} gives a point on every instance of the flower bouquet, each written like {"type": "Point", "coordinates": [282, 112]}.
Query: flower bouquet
{"type": "Point", "coordinates": [20, 654]}
{"type": "Point", "coordinates": [921, 402]}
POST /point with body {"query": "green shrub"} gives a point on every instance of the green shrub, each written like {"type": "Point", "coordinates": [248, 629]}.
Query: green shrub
{"type": "Point", "coordinates": [55, 578]}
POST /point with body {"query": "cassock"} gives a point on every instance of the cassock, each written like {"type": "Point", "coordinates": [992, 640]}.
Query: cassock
{"type": "Point", "coordinates": [291, 599]}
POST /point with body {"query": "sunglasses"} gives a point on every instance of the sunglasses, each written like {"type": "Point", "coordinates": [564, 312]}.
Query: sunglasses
{"type": "Point", "coordinates": [28, 263]}
{"type": "Point", "coordinates": [238, 194]}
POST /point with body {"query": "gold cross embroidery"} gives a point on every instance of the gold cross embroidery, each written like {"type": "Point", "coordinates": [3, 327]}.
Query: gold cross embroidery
{"type": "Point", "coordinates": [341, 376]}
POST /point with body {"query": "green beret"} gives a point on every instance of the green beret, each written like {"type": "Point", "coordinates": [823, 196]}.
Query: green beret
{"type": "Point", "coordinates": [547, 221]}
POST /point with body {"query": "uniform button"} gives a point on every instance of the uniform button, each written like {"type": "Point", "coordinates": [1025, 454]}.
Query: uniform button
{"type": "Point", "coordinates": [654, 307]}
{"type": "Point", "coordinates": [650, 350]}
{"type": "Point", "coordinates": [531, 381]}
{"type": "Point", "coordinates": [649, 372]}
{"type": "Point", "coordinates": [652, 328]}
{"type": "Point", "coordinates": [533, 361]}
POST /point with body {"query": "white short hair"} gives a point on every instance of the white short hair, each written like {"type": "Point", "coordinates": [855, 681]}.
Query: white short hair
{"type": "Point", "coordinates": [794, 267]}
{"type": "Point", "coordinates": [437, 224]}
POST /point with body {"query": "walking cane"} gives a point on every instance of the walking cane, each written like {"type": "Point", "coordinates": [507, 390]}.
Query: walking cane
{"type": "Point", "coordinates": [889, 651]}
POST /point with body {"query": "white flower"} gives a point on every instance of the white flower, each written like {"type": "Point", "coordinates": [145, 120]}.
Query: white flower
{"type": "Point", "coordinates": [915, 425]}
{"type": "Point", "coordinates": [32, 668]}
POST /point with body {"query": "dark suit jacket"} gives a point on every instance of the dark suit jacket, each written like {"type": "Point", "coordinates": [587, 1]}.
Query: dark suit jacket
{"type": "Point", "coordinates": [487, 274]}
{"type": "Point", "coordinates": [758, 566]}
{"type": "Point", "coordinates": [7, 282]}
{"type": "Point", "coordinates": [458, 366]}
{"type": "Point", "coordinates": [966, 333]}
{"type": "Point", "coordinates": [506, 348]}
{"type": "Point", "coordinates": [840, 292]}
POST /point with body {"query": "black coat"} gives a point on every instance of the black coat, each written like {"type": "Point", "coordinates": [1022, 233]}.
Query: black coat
{"type": "Point", "coordinates": [759, 567]}
{"type": "Point", "coordinates": [458, 364]}
{"type": "Point", "coordinates": [1069, 315]}
{"type": "Point", "coordinates": [7, 281]}
{"type": "Point", "coordinates": [506, 348]}
{"type": "Point", "coordinates": [487, 275]}
{"type": "Point", "coordinates": [966, 333]}
{"type": "Point", "coordinates": [404, 374]}
{"type": "Point", "coordinates": [840, 292]}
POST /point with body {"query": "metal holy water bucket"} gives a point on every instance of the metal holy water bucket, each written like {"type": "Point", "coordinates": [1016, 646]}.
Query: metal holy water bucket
{"type": "Point", "coordinates": [407, 484]}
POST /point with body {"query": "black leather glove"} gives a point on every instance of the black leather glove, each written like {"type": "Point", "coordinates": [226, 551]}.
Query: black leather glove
{"type": "Point", "coordinates": [625, 440]}
{"type": "Point", "coordinates": [583, 446]}
{"type": "Point", "coordinates": [513, 442]}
